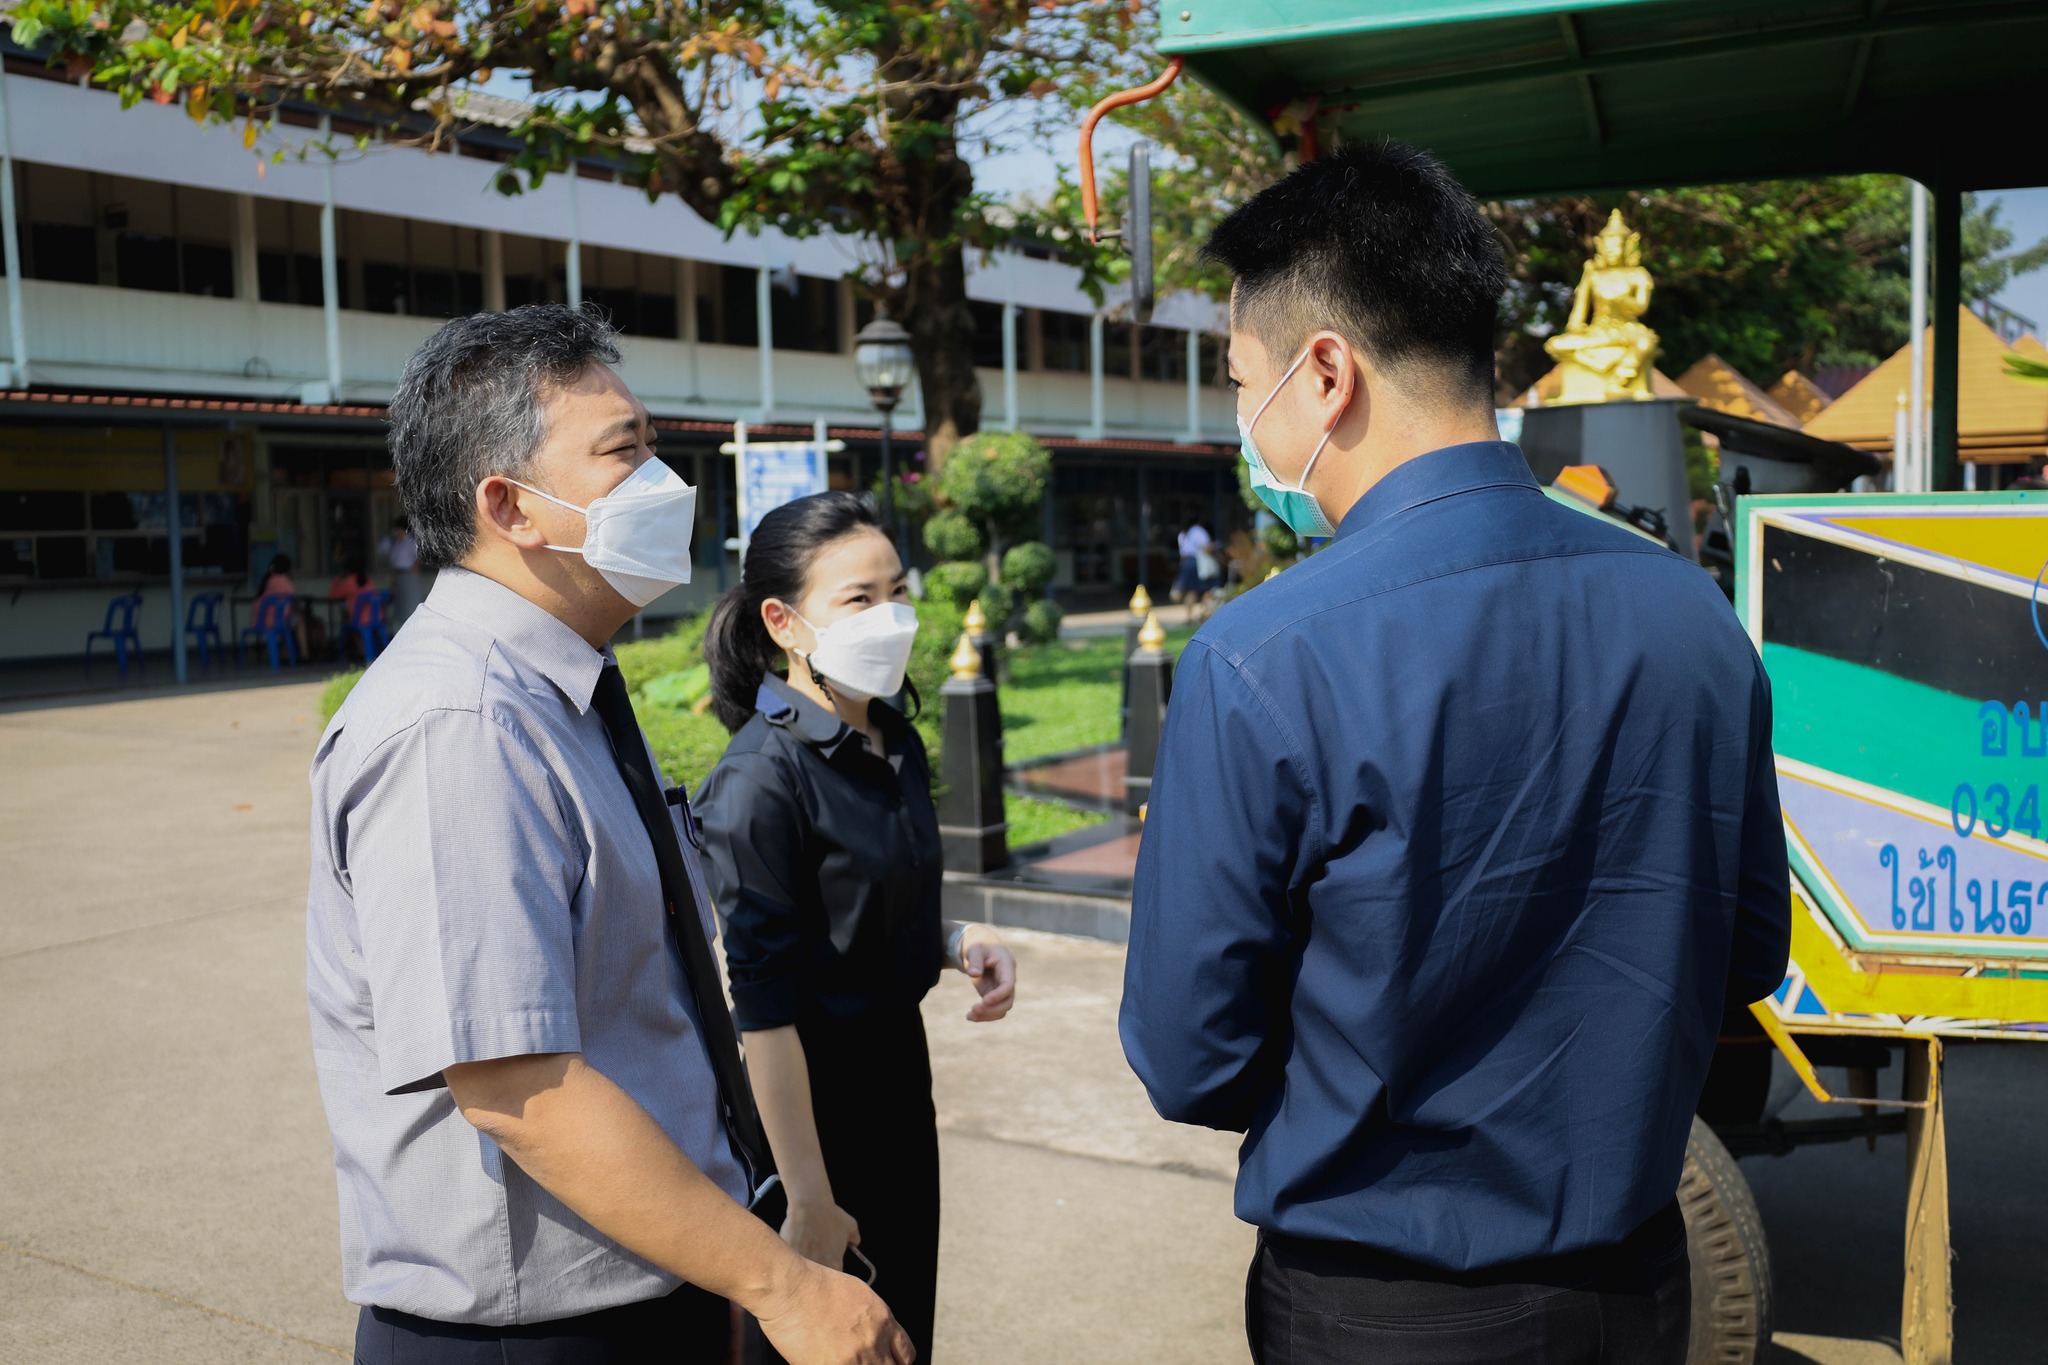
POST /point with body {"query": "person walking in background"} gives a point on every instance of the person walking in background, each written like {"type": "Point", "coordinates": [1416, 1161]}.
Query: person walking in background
{"type": "Point", "coordinates": [1464, 832]}
{"type": "Point", "coordinates": [543, 1136]}
{"type": "Point", "coordinates": [408, 587]}
{"type": "Point", "coordinates": [1195, 577]}
{"type": "Point", "coordinates": [824, 855]}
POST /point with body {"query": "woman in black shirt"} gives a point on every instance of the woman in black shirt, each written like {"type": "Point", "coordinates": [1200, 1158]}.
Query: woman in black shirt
{"type": "Point", "coordinates": [823, 853]}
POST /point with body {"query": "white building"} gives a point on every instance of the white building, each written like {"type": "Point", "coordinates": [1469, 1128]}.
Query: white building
{"type": "Point", "coordinates": [172, 296]}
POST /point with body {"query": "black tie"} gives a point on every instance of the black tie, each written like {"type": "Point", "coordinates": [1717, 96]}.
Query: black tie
{"type": "Point", "coordinates": [686, 925]}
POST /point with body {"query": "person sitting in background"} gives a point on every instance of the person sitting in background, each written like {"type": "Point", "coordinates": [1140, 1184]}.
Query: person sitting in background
{"type": "Point", "coordinates": [277, 582]}
{"type": "Point", "coordinates": [349, 585]}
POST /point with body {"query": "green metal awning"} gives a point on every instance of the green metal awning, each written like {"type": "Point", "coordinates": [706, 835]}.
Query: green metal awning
{"type": "Point", "coordinates": [1522, 97]}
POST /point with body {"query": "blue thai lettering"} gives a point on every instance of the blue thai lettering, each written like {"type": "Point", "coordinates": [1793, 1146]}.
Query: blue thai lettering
{"type": "Point", "coordinates": [1994, 723]}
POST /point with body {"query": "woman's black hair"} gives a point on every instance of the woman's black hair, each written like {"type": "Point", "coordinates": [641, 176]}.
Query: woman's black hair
{"type": "Point", "coordinates": [279, 564]}
{"type": "Point", "coordinates": [778, 565]}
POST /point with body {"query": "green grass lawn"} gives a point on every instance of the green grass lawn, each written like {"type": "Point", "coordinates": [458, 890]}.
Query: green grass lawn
{"type": "Point", "coordinates": [1059, 697]}
{"type": "Point", "coordinates": [1067, 695]}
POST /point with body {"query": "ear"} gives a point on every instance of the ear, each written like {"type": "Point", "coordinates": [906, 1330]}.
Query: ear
{"type": "Point", "coordinates": [501, 511]}
{"type": "Point", "coordinates": [780, 621]}
{"type": "Point", "coordinates": [1333, 374]}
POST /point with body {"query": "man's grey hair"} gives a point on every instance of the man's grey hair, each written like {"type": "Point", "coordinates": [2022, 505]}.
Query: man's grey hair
{"type": "Point", "coordinates": [469, 406]}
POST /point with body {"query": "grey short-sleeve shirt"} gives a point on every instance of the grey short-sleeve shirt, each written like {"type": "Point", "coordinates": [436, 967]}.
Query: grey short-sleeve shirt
{"type": "Point", "coordinates": [482, 887]}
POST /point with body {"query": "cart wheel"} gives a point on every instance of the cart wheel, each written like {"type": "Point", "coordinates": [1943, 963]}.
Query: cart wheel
{"type": "Point", "coordinates": [1731, 1266]}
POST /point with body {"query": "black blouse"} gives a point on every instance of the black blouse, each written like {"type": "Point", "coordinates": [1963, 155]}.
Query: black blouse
{"type": "Point", "coordinates": [824, 862]}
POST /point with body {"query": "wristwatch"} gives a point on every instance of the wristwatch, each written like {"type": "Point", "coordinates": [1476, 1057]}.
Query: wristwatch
{"type": "Point", "coordinates": [953, 947]}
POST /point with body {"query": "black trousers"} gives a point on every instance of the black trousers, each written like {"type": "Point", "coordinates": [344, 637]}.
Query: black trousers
{"type": "Point", "coordinates": [871, 1094]}
{"type": "Point", "coordinates": [688, 1327]}
{"type": "Point", "coordinates": [1326, 1303]}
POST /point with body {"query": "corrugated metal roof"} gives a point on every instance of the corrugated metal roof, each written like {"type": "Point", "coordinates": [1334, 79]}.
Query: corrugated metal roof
{"type": "Point", "coordinates": [1524, 97]}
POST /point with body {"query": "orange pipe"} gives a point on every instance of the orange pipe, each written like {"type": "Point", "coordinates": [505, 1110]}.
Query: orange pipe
{"type": "Point", "coordinates": [1137, 95]}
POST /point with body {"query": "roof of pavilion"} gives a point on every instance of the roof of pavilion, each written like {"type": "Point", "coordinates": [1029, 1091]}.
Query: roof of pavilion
{"type": "Point", "coordinates": [1800, 396]}
{"type": "Point", "coordinates": [1722, 387]}
{"type": "Point", "coordinates": [2002, 420]}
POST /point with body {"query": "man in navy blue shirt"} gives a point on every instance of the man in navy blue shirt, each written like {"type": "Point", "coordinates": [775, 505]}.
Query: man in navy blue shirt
{"type": "Point", "coordinates": [1464, 834]}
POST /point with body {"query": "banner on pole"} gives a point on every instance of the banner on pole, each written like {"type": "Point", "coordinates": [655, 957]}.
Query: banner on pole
{"type": "Point", "coordinates": [772, 473]}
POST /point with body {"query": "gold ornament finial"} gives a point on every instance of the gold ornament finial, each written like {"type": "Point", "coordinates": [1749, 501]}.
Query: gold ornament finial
{"type": "Point", "coordinates": [1141, 601]}
{"type": "Point", "coordinates": [977, 620]}
{"type": "Point", "coordinates": [1151, 635]}
{"type": "Point", "coordinates": [966, 660]}
{"type": "Point", "coordinates": [1605, 352]}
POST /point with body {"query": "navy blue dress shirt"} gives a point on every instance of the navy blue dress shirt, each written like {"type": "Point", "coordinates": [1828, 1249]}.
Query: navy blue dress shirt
{"type": "Point", "coordinates": [1463, 832]}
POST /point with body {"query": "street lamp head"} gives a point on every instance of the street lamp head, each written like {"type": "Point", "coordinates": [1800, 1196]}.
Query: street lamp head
{"type": "Point", "coordinates": [882, 359]}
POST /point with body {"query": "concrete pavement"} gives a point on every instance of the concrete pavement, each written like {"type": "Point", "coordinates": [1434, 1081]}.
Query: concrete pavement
{"type": "Point", "coordinates": [166, 1194]}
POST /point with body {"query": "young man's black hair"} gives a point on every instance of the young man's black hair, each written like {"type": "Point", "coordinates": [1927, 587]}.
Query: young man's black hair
{"type": "Point", "coordinates": [1381, 244]}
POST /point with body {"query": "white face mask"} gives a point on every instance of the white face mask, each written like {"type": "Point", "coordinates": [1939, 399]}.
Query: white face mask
{"type": "Point", "coordinates": [866, 654]}
{"type": "Point", "coordinates": [638, 535]}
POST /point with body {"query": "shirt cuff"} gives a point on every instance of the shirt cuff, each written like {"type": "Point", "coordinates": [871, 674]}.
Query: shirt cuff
{"type": "Point", "coordinates": [528, 1033]}
{"type": "Point", "coordinates": [766, 1002]}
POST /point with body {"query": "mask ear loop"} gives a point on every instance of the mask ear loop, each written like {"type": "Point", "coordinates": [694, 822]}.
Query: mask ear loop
{"type": "Point", "coordinates": [817, 678]}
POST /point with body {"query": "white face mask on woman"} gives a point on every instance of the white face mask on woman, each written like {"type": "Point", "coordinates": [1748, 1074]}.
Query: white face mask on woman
{"type": "Point", "coordinates": [866, 654]}
{"type": "Point", "coordinates": [638, 535]}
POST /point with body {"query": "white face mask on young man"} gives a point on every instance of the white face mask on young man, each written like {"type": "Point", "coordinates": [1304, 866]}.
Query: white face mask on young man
{"type": "Point", "coordinates": [866, 654]}
{"type": "Point", "coordinates": [638, 535]}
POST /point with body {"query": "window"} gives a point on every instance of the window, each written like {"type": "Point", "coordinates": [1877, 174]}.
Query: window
{"type": "Point", "coordinates": [113, 535]}
{"type": "Point", "coordinates": [208, 270]}
{"type": "Point", "coordinates": [146, 260]}
{"type": "Point", "coordinates": [58, 251]}
{"type": "Point", "coordinates": [736, 296]}
{"type": "Point", "coordinates": [988, 335]}
{"type": "Point", "coordinates": [806, 319]}
{"type": "Point", "coordinates": [1066, 342]}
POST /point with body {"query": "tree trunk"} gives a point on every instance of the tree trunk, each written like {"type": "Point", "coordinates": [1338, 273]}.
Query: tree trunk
{"type": "Point", "coordinates": [942, 337]}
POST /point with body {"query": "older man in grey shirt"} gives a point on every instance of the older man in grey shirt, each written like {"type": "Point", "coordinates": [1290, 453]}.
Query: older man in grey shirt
{"type": "Point", "coordinates": [533, 1159]}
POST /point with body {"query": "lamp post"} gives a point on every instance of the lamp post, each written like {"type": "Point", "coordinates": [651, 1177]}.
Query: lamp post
{"type": "Point", "coordinates": [885, 366]}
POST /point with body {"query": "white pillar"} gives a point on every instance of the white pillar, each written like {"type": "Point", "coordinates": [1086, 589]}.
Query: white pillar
{"type": "Point", "coordinates": [1010, 366]}
{"type": "Point", "coordinates": [494, 272]}
{"type": "Point", "coordinates": [330, 282]}
{"type": "Point", "coordinates": [764, 335]}
{"type": "Point", "coordinates": [575, 258]}
{"type": "Point", "coordinates": [1095, 426]}
{"type": "Point", "coordinates": [1194, 384]}
{"type": "Point", "coordinates": [248, 286]}
{"type": "Point", "coordinates": [1917, 417]}
{"type": "Point", "coordinates": [686, 321]}
{"type": "Point", "coordinates": [17, 325]}
{"type": "Point", "coordinates": [1902, 441]}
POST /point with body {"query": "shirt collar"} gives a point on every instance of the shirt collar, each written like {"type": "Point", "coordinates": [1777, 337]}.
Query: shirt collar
{"type": "Point", "coordinates": [1441, 473]}
{"type": "Point", "coordinates": [530, 631]}
{"type": "Point", "coordinates": [780, 704]}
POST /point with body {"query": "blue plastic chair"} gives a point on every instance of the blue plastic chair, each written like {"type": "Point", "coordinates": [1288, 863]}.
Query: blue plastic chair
{"type": "Point", "coordinates": [271, 624]}
{"type": "Point", "coordinates": [202, 627]}
{"type": "Point", "coordinates": [366, 621]}
{"type": "Point", "coordinates": [120, 631]}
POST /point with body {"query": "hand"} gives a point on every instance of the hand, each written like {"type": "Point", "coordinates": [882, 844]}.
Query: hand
{"type": "Point", "coordinates": [820, 1231]}
{"type": "Point", "coordinates": [992, 969]}
{"type": "Point", "coordinates": [823, 1317]}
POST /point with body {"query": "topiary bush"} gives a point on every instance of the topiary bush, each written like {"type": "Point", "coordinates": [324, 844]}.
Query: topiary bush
{"type": "Point", "coordinates": [953, 535]}
{"type": "Point", "coordinates": [1029, 568]}
{"type": "Point", "coordinates": [999, 604]}
{"type": "Point", "coordinates": [955, 584]}
{"type": "Point", "coordinates": [1041, 623]}
{"type": "Point", "coordinates": [997, 479]}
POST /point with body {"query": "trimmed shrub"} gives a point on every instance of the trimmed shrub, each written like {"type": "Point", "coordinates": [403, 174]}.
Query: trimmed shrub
{"type": "Point", "coordinates": [997, 478]}
{"type": "Point", "coordinates": [1029, 568]}
{"type": "Point", "coordinates": [999, 604]}
{"type": "Point", "coordinates": [951, 535]}
{"type": "Point", "coordinates": [955, 584]}
{"type": "Point", "coordinates": [1041, 624]}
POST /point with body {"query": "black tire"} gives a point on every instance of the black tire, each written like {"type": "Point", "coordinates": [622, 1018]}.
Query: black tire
{"type": "Point", "coordinates": [1731, 1266]}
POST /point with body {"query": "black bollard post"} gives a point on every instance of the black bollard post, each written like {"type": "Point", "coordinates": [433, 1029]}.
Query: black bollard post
{"type": "Point", "coordinates": [972, 827]}
{"type": "Point", "coordinates": [985, 641]}
{"type": "Point", "coordinates": [1151, 674]}
{"type": "Point", "coordinates": [1141, 607]}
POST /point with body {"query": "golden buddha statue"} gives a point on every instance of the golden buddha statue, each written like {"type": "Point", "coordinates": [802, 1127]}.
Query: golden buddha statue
{"type": "Point", "coordinates": [1605, 352]}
